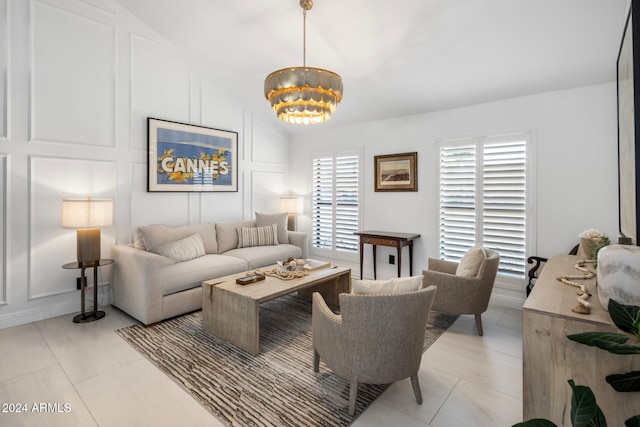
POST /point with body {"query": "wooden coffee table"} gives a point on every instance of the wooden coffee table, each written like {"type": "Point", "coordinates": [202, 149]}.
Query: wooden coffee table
{"type": "Point", "coordinates": [232, 312]}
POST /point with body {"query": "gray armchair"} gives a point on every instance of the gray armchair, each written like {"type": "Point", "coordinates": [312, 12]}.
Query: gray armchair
{"type": "Point", "coordinates": [463, 295]}
{"type": "Point", "coordinates": [377, 339]}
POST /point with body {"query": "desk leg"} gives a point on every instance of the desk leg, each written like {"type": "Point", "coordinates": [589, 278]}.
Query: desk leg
{"type": "Point", "coordinates": [411, 258]}
{"type": "Point", "coordinates": [399, 249]}
{"type": "Point", "coordinates": [361, 257]}
{"type": "Point", "coordinates": [95, 290]}
{"type": "Point", "coordinates": [374, 263]}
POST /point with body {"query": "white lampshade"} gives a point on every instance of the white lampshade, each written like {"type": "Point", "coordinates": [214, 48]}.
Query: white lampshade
{"type": "Point", "coordinates": [87, 213]}
{"type": "Point", "coordinates": [291, 204]}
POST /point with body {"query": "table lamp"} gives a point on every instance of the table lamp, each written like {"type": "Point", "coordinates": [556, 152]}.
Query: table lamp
{"type": "Point", "coordinates": [293, 206]}
{"type": "Point", "coordinates": [87, 215]}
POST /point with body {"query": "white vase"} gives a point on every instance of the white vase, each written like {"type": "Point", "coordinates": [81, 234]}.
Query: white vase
{"type": "Point", "coordinates": [619, 274]}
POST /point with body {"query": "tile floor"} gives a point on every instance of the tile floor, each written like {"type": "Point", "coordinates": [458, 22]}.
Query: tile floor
{"type": "Point", "coordinates": [90, 377]}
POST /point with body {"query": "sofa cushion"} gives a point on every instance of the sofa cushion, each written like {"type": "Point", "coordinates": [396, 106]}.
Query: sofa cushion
{"type": "Point", "coordinates": [392, 286]}
{"type": "Point", "coordinates": [257, 236]}
{"type": "Point", "coordinates": [280, 219]}
{"type": "Point", "coordinates": [187, 275]}
{"type": "Point", "coordinates": [262, 256]}
{"type": "Point", "coordinates": [227, 234]}
{"type": "Point", "coordinates": [157, 234]}
{"type": "Point", "coordinates": [182, 250]}
{"type": "Point", "coordinates": [471, 261]}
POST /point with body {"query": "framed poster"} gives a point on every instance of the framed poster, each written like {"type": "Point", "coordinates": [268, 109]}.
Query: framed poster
{"type": "Point", "coordinates": [396, 172]}
{"type": "Point", "coordinates": [628, 81]}
{"type": "Point", "coordinates": [185, 157]}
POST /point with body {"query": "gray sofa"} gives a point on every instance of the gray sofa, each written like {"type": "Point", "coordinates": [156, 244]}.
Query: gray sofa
{"type": "Point", "coordinates": [161, 274]}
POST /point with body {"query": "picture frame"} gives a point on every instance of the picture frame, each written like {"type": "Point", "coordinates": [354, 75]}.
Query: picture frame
{"type": "Point", "coordinates": [396, 172]}
{"type": "Point", "coordinates": [186, 157]}
{"type": "Point", "coordinates": [628, 96]}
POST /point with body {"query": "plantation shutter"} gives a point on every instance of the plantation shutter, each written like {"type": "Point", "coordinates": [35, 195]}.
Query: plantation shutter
{"type": "Point", "coordinates": [457, 200]}
{"type": "Point", "coordinates": [346, 203]}
{"type": "Point", "coordinates": [322, 204]}
{"type": "Point", "coordinates": [483, 194]}
{"type": "Point", "coordinates": [504, 203]}
{"type": "Point", "coordinates": [335, 206]}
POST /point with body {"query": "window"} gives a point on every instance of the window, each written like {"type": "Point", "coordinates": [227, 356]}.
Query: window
{"type": "Point", "coordinates": [335, 203]}
{"type": "Point", "coordinates": [483, 199]}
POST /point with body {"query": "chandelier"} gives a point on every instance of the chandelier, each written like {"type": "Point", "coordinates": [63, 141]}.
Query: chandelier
{"type": "Point", "coordinates": [304, 94]}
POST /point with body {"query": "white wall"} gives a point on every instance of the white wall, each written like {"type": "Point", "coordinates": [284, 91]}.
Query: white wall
{"type": "Point", "coordinates": [81, 77]}
{"type": "Point", "coordinates": [575, 149]}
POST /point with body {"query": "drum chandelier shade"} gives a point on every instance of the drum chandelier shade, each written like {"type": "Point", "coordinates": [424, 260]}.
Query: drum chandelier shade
{"type": "Point", "coordinates": [304, 94]}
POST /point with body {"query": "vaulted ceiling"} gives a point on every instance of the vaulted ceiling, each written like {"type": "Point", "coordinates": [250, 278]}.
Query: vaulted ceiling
{"type": "Point", "coordinates": [398, 57]}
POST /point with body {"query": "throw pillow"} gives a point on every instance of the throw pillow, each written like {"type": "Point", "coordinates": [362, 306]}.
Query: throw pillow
{"type": "Point", "coordinates": [151, 236]}
{"type": "Point", "coordinates": [470, 263]}
{"type": "Point", "coordinates": [227, 234]}
{"type": "Point", "coordinates": [392, 286]}
{"type": "Point", "coordinates": [182, 250]}
{"type": "Point", "coordinates": [258, 236]}
{"type": "Point", "coordinates": [280, 219]}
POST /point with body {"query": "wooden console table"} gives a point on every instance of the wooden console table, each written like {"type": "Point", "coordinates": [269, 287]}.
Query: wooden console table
{"type": "Point", "coordinates": [550, 359]}
{"type": "Point", "coordinates": [385, 238]}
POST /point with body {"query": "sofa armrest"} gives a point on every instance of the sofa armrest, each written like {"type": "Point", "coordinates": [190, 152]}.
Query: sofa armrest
{"type": "Point", "coordinates": [300, 239]}
{"type": "Point", "coordinates": [137, 282]}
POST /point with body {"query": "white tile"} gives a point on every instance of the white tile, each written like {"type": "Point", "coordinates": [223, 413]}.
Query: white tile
{"type": "Point", "coordinates": [435, 386]}
{"type": "Point", "coordinates": [141, 395]}
{"type": "Point", "coordinates": [23, 351]}
{"type": "Point", "coordinates": [49, 399]}
{"type": "Point", "coordinates": [472, 360]}
{"type": "Point", "coordinates": [381, 415]}
{"type": "Point", "coordinates": [512, 319]}
{"type": "Point", "coordinates": [113, 319]}
{"type": "Point", "coordinates": [85, 350]}
{"type": "Point", "coordinates": [474, 405]}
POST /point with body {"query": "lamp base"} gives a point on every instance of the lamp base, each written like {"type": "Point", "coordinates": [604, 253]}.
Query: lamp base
{"type": "Point", "coordinates": [292, 222]}
{"type": "Point", "coordinates": [88, 317]}
{"type": "Point", "coordinates": [88, 241]}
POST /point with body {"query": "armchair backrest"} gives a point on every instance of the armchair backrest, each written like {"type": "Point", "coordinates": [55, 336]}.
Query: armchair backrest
{"type": "Point", "coordinates": [489, 267]}
{"type": "Point", "coordinates": [384, 334]}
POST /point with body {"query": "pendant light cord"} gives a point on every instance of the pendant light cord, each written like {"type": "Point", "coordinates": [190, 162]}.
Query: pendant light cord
{"type": "Point", "coordinates": [304, 37]}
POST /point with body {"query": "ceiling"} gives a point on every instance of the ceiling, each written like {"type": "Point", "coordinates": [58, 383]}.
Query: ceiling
{"type": "Point", "coordinates": [400, 57]}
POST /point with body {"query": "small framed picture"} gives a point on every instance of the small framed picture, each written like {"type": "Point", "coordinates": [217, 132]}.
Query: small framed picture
{"type": "Point", "coordinates": [396, 172]}
{"type": "Point", "coordinates": [185, 157]}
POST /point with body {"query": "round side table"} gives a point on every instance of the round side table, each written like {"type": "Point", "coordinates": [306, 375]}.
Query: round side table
{"type": "Point", "coordinates": [90, 316]}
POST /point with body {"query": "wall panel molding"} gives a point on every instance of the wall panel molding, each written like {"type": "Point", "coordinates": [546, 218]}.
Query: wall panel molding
{"type": "Point", "coordinates": [6, 75]}
{"type": "Point", "coordinates": [266, 188]}
{"type": "Point", "coordinates": [4, 197]}
{"type": "Point", "coordinates": [50, 246]}
{"type": "Point", "coordinates": [160, 88]}
{"type": "Point", "coordinates": [267, 145]}
{"type": "Point", "coordinates": [77, 73]}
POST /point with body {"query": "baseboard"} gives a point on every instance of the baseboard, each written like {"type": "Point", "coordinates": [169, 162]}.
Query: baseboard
{"type": "Point", "coordinates": [47, 312]}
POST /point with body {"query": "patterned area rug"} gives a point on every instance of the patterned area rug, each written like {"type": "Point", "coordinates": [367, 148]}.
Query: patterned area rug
{"type": "Point", "coordinates": [276, 388]}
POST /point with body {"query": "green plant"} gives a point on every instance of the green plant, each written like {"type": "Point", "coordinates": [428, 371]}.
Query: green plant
{"type": "Point", "coordinates": [584, 408]}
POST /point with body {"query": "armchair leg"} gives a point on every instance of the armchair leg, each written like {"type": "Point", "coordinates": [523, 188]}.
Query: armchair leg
{"type": "Point", "coordinates": [479, 324]}
{"type": "Point", "coordinates": [353, 395]}
{"type": "Point", "coordinates": [316, 361]}
{"type": "Point", "coordinates": [416, 388]}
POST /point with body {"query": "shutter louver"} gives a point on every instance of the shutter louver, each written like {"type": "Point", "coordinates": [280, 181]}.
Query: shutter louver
{"type": "Point", "coordinates": [504, 204]}
{"type": "Point", "coordinates": [347, 203]}
{"type": "Point", "coordinates": [335, 206]}
{"type": "Point", "coordinates": [322, 204]}
{"type": "Point", "coordinates": [457, 201]}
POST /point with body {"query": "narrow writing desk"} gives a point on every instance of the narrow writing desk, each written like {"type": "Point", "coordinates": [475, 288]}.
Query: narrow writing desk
{"type": "Point", "coordinates": [385, 238]}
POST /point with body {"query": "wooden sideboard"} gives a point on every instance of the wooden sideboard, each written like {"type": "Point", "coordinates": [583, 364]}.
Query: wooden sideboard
{"type": "Point", "coordinates": [549, 358]}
